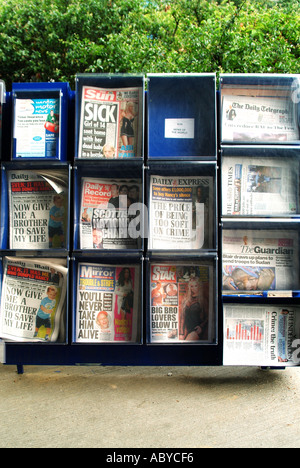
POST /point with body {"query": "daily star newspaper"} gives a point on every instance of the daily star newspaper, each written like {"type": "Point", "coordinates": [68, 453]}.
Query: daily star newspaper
{"type": "Point", "coordinates": [259, 119]}
{"type": "Point", "coordinates": [33, 299]}
{"type": "Point", "coordinates": [110, 123]}
{"type": "Point", "coordinates": [108, 303]}
{"type": "Point", "coordinates": [266, 186]}
{"type": "Point", "coordinates": [182, 307]}
{"type": "Point", "coordinates": [261, 335]}
{"type": "Point", "coordinates": [38, 202]}
{"type": "Point", "coordinates": [258, 261]}
{"type": "Point", "coordinates": [181, 213]}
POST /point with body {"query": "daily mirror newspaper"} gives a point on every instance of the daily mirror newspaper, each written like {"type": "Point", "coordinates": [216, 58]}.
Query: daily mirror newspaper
{"type": "Point", "coordinates": [108, 303]}
{"type": "Point", "coordinates": [261, 335]}
{"type": "Point", "coordinates": [182, 303]}
{"type": "Point", "coordinates": [111, 123]}
{"type": "Point", "coordinates": [33, 299]}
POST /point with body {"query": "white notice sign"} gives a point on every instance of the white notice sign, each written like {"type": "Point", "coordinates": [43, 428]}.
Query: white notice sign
{"type": "Point", "coordinates": [180, 128]}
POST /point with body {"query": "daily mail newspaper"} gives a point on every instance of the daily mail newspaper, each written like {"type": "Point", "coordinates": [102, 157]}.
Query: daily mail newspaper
{"type": "Point", "coordinates": [33, 299]}
{"type": "Point", "coordinates": [38, 211]}
{"type": "Point", "coordinates": [108, 303]}
{"type": "Point", "coordinates": [260, 187]}
{"type": "Point", "coordinates": [257, 119]}
{"type": "Point", "coordinates": [181, 308]}
{"type": "Point", "coordinates": [110, 214]}
{"type": "Point", "coordinates": [181, 213]}
{"type": "Point", "coordinates": [258, 261]}
{"type": "Point", "coordinates": [261, 335]}
{"type": "Point", "coordinates": [110, 123]}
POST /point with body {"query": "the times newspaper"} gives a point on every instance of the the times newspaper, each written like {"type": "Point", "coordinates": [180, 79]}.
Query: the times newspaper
{"type": "Point", "coordinates": [266, 186]}
{"type": "Point", "coordinates": [259, 119]}
{"type": "Point", "coordinates": [33, 299]}
{"type": "Point", "coordinates": [182, 303]}
{"type": "Point", "coordinates": [256, 262]}
{"type": "Point", "coordinates": [108, 303]}
{"type": "Point", "coordinates": [181, 213]}
{"type": "Point", "coordinates": [110, 214]}
{"type": "Point", "coordinates": [111, 123]}
{"type": "Point", "coordinates": [261, 335]}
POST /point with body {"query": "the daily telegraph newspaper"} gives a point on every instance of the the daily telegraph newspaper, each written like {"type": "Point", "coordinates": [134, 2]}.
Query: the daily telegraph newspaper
{"type": "Point", "coordinates": [110, 123]}
{"type": "Point", "coordinates": [33, 299]}
{"type": "Point", "coordinates": [261, 335]}
{"type": "Point", "coordinates": [108, 303]}
{"type": "Point", "coordinates": [38, 208]}
{"type": "Point", "coordinates": [181, 212]}
{"type": "Point", "coordinates": [252, 186]}
{"type": "Point", "coordinates": [259, 119]}
{"type": "Point", "coordinates": [258, 261]}
{"type": "Point", "coordinates": [182, 303]}
{"type": "Point", "coordinates": [110, 215]}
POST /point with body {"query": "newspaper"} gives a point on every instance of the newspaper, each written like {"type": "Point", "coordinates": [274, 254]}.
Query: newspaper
{"type": "Point", "coordinates": [257, 261]}
{"type": "Point", "coordinates": [181, 305]}
{"type": "Point", "coordinates": [38, 209]}
{"type": "Point", "coordinates": [110, 123]}
{"type": "Point", "coordinates": [266, 186]}
{"type": "Point", "coordinates": [259, 119]}
{"type": "Point", "coordinates": [108, 217]}
{"type": "Point", "coordinates": [33, 299]}
{"type": "Point", "coordinates": [261, 335]}
{"type": "Point", "coordinates": [181, 213]}
{"type": "Point", "coordinates": [108, 303]}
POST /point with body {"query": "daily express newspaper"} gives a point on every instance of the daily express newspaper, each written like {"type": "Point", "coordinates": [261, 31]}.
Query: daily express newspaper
{"type": "Point", "coordinates": [181, 213]}
{"type": "Point", "coordinates": [33, 299]}
{"type": "Point", "coordinates": [258, 261]}
{"type": "Point", "coordinates": [110, 214]}
{"type": "Point", "coordinates": [259, 119]}
{"type": "Point", "coordinates": [110, 123]}
{"type": "Point", "coordinates": [181, 308]}
{"type": "Point", "coordinates": [108, 303]}
{"type": "Point", "coordinates": [261, 335]}
{"type": "Point", "coordinates": [266, 186]}
{"type": "Point", "coordinates": [38, 209]}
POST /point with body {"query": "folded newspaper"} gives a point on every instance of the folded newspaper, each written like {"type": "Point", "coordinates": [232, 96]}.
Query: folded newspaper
{"type": "Point", "coordinates": [33, 299]}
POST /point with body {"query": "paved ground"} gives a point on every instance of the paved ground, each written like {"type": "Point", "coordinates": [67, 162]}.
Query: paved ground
{"type": "Point", "coordinates": [149, 407]}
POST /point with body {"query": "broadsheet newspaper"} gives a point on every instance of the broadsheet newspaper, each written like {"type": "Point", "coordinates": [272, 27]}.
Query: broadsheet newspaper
{"type": "Point", "coordinates": [182, 308]}
{"type": "Point", "coordinates": [110, 123]}
{"type": "Point", "coordinates": [108, 303]}
{"type": "Point", "coordinates": [33, 299]}
{"type": "Point", "coordinates": [259, 119]}
{"type": "Point", "coordinates": [266, 186]}
{"type": "Point", "coordinates": [261, 335]}
{"type": "Point", "coordinates": [181, 213]}
{"type": "Point", "coordinates": [110, 214]}
{"type": "Point", "coordinates": [255, 262]}
{"type": "Point", "coordinates": [38, 208]}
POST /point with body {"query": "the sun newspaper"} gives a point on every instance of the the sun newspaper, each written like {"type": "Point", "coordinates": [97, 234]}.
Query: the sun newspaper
{"type": "Point", "coordinates": [111, 123]}
{"type": "Point", "coordinates": [108, 303]}
{"type": "Point", "coordinates": [33, 299]}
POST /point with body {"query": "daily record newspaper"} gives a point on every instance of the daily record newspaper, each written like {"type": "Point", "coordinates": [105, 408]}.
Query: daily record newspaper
{"type": "Point", "coordinates": [33, 299]}
{"type": "Point", "coordinates": [108, 303]}
{"type": "Point", "coordinates": [262, 335]}
{"type": "Point", "coordinates": [111, 123]}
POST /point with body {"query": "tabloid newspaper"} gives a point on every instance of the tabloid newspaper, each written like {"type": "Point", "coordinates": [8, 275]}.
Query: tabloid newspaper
{"type": "Point", "coordinates": [38, 209]}
{"type": "Point", "coordinates": [182, 307]}
{"type": "Point", "coordinates": [266, 186]}
{"type": "Point", "coordinates": [261, 335]}
{"type": "Point", "coordinates": [108, 303]}
{"type": "Point", "coordinates": [110, 214]}
{"type": "Point", "coordinates": [110, 123]}
{"type": "Point", "coordinates": [181, 213]}
{"type": "Point", "coordinates": [259, 119]}
{"type": "Point", "coordinates": [33, 299]}
{"type": "Point", "coordinates": [255, 262]}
